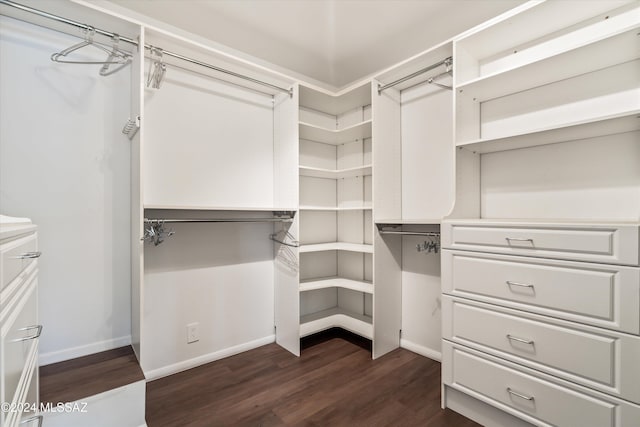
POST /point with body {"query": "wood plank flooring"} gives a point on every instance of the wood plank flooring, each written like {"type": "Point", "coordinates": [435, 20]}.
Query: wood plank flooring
{"type": "Point", "coordinates": [86, 376]}
{"type": "Point", "coordinates": [333, 383]}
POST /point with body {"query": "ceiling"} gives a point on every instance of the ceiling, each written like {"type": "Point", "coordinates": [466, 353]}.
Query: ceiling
{"type": "Point", "coordinates": [333, 41]}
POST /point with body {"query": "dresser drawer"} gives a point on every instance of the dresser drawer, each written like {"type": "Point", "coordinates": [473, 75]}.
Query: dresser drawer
{"type": "Point", "coordinates": [615, 244]}
{"type": "Point", "coordinates": [19, 338]}
{"type": "Point", "coordinates": [15, 256]}
{"type": "Point", "coordinates": [596, 294]}
{"type": "Point", "coordinates": [529, 396]}
{"type": "Point", "coordinates": [603, 360]}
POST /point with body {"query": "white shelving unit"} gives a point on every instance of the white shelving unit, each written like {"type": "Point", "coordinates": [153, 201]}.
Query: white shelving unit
{"type": "Point", "coordinates": [336, 249]}
{"type": "Point", "coordinates": [547, 99]}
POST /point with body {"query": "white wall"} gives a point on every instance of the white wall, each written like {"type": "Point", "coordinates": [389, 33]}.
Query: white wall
{"type": "Point", "coordinates": [220, 276]}
{"type": "Point", "coordinates": [207, 144]}
{"type": "Point", "coordinates": [65, 164]}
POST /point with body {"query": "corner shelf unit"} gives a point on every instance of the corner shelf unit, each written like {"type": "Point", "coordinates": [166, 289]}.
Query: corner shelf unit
{"type": "Point", "coordinates": [336, 210]}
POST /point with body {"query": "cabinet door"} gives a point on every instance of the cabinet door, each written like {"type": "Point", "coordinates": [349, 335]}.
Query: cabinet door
{"type": "Point", "coordinates": [595, 294]}
{"type": "Point", "coordinates": [614, 244]}
{"type": "Point", "coordinates": [22, 332]}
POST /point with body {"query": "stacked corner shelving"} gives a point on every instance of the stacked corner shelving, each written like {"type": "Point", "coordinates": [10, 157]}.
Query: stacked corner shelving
{"type": "Point", "coordinates": [336, 248]}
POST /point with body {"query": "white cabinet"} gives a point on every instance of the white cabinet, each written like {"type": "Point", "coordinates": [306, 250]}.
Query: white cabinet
{"type": "Point", "coordinates": [540, 267]}
{"type": "Point", "coordinates": [19, 322]}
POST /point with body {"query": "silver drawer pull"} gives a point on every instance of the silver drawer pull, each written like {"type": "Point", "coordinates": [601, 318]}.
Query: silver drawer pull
{"type": "Point", "coordinates": [522, 285]}
{"type": "Point", "coordinates": [520, 395]}
{"type": "Point", "coordinates": [522, 340]}
{"type": "Point", "coordinates": [38, 329]}
{"type": "Point", "coordinates": [518, 239]}
{"type": "Point", "coordinates": [32, 419]}
{"type": "Point", "coordinates": [28, 255]}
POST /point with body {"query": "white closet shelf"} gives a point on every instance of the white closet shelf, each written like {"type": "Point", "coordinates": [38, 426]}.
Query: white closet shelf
{"type": "Point", "coordinates": [426, 221]}
{"type": "Point", "coordinates": [335, 173]}
{"type": "Point", "coordinates": [335, 104]}
{"type": "Point", "coordinates": [335, 209]}
{"type": "Point", "coordinates": [572, 60]}
{"type": "Point", "coordinates": [337, 246]}
{"type": "Point", "coordinates": [315, 133]}
{"type": "Point", "coordinates": [220, 208]}
{"type": "Point", "coordinates": [336, 318]}
{"type": "Point", "coordinates": [337, 282]}
{"type": "Point", "coordinates": [600, 126]}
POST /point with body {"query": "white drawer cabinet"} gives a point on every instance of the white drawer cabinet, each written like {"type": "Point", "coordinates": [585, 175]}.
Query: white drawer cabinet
{"type": "Point", "coordinates": [20, 329]}
{"type": "Point", "coordinates": [612, 244]}
{"type": "Point", "coordinates": [537, 398]}
{"type": "Point", "coordinates": [542, 320]}
{"type": "Point", "coordinates": [15, 256]}
{"type": "Point", "coordinates": [600, 359]}
{"type": "Point", "coordinates": [595, 294]}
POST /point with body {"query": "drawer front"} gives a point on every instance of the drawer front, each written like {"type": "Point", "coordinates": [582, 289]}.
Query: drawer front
{"type": "Point", "coordinates": [19, 340]}
{"type": "Point", "coordinates": [15, 256]}
{"type": "Point", "coordinates": [532, 398]}
{"type": "Point", "coordinates": [615, 244]}
{"type": "Point", "coordinates": [596, 294]}
{"type": "Point", "coordinates": [593, 357]}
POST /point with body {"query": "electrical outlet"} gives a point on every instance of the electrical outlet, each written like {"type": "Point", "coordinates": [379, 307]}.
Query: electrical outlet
{"type": "Point", "coordinates": [193, 334]}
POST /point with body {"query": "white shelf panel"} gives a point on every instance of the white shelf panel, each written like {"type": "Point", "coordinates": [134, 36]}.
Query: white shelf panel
{"type": "Point", "coordinates": [336, 318]}
{"type": "Point", "coordinates": [337, 282]}
{"type": "Point", "coordinates": [573, 60]}
{"type": "Point", "coordinates": [425, 221]}
{"type": "Point", "coordinates": [219, 208]}
{"type": "Point", "coordinates": [335, 137]}
{"type": "Point", "coordinates": [335, 174]}
{"type": "Point", "coordinates": [335, 209]}
{"type": "Point", "coordinates": [607, 125]}
{"type": "Point", "coordinates": [337, 246]}
{"type": "Point", "coordinates": [335, 103]}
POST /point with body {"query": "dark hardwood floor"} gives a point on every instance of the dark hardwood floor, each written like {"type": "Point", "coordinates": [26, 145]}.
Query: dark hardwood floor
{"type": "Point", "coordinates": [85, 376]}
{"type": "Point", "coordinates": [333, 383]}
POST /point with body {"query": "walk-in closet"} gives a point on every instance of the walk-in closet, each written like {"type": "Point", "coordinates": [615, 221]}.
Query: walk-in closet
{"type": "Point", "coordinates": [391, 213]}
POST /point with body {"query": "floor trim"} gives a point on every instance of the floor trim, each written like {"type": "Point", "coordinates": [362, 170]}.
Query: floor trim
{"type": "Point", "coordinates": [154, 374]}
{"type": "Point", "coordinates": [83, 350]}
{"type": "Point", "coordinates": [421, 350]}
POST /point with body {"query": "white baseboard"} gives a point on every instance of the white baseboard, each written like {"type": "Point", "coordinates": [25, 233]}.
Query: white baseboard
{"type": "Point", "coordinates": [206, 358]}
{"type": "Point", "coordinates": [83, 350]}
{"type": "Point", "coordinates": [421, 350]}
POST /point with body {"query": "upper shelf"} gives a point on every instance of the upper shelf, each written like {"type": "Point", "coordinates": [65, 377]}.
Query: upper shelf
{"type": "Point", "coordinates": [335, 173]}
{"type": "Point", "coordinates": [559, 62]}
{"type": "Point", "coordinates": [337, 246]}
{"type": "Point", "coordinates": [353, 133]}
{"type": "Point", "coordinates": [601, 126]}
{"type": "Point", "coordinates": [337, 282]}
{"type": "Point", "coordinates": [335, 104]}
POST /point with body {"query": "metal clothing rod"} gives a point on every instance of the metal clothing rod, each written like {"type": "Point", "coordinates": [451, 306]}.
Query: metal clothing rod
{"type": "Point", "coordinates": [447, 61]}
{"type": "Point", "coordinates": [173, 221]}
{"type": "Point", "coordinates": [135, 43]}
{"type": "Point", "coordinates": [412, 233]}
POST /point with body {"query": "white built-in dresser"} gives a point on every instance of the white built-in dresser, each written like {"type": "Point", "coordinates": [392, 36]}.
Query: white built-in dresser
{"type": "Point", "coordinates": [19, 322]}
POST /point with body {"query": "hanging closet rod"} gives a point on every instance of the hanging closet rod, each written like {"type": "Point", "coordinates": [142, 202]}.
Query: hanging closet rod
{"type": "Point", "coordinates": [135, 43]}
{"type": "Point", "coordinates": [173, 221]}
{"type": "Point", "coordinates": [447, 61]}
{"type": "Point", "coordinates": [412, 233]}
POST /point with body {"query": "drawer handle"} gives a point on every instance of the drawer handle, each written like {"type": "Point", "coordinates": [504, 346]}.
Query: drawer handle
{"type": "Point", "coordinates": [32, 419]}
{"type": "Point", "coordinates": [522, 340]}
{"type": "Point", "coordinates": [28, 255]}
{"type": "Point", "coordinates": [522, 285]}
{"type": "Point", "coordinates": [38, 329]}
{"type": "Point", "coordinates": [518, 239]}
{"type": "Point", "coordinates": [520, 395]}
